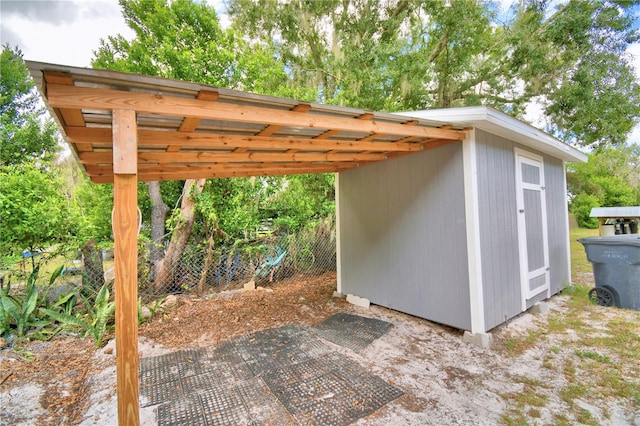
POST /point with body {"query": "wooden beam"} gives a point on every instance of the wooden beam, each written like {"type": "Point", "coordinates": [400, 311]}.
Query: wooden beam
{"type": "Point", "coordinates": [104, 99]}
{"type": "Point", "coordinates": [197, 173]}
{"type": "Point", "coordinates": [160, 139]}
{"type": "Point", "coordinates": [219, 168]}
{"type": "Point", "coordinates": [229, 157]}
{"type": "Point", "coordinates": [70, 117]}
{"type": "Point", "coordinates": [125, 234]}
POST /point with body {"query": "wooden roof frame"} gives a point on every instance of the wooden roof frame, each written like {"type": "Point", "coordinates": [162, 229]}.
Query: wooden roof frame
{"type": "Point", "coordinates": [188, 130]}
{"type": "Point", "coordinates": [125, 128]}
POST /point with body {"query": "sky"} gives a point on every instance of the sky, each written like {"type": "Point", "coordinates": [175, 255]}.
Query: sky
{"type": "Point", "coordinates": [68, 31]}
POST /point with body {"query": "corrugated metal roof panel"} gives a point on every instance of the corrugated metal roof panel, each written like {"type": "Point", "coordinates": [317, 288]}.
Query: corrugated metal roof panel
{"type": "Point", "coordinates": [627, 211]}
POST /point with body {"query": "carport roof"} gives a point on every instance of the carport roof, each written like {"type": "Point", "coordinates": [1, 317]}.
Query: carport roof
{"type": "Point", "coordinates": [188, 130]}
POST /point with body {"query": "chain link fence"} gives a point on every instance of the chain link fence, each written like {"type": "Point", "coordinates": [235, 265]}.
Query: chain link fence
{"type": "Point", "coordinates": [201, 268]}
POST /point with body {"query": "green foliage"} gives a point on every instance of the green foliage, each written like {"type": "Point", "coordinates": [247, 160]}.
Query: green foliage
{"type": "Point", "coordinates": [24, 135]}
{"type": "Point", "coordinates": [596, 356]}
{"type": "Point", "coordinates": [93, 205]}
{"type": "Point", "coordinates": [17, 311]}
{"type": "Point", "coordinates": [302, 199]}
{"type": "Point", "coordinates": [93, 319]}
{"type": "Point", "coordinates": [610, 178]}
{"type": "Point", "coordinates": [33, 211]}
{"type": "Point", "coordinates": [183, 39]}
{"type": "Point", "coordinates": [231, 206]}
{"type": "Point", "coordinates": [581, 207]}
{"type": "Point", "coordinates": [569, 56]}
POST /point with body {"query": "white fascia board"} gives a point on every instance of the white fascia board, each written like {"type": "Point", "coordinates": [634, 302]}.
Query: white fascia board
{"type": "Point", "coordinates": [493, 121]}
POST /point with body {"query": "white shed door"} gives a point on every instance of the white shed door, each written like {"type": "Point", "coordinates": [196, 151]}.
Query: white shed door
{"type": "Point", "coordinates": [532, 225]}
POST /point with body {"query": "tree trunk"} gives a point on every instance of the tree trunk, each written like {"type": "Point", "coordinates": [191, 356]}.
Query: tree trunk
{"type": "Point", "coordinates": [207, 265]}
{"type": "Point", "coordinates": [180, 237]}
{"type": "Point", "coordinates": [159, 212]}
{"type": "Point", "coordinates": [93, 276]}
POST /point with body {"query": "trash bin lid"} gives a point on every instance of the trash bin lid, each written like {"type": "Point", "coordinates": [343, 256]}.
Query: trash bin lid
{"type": "Point", "coordinates": [613, 240]}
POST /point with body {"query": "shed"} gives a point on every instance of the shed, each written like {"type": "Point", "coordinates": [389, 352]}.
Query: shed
{"type": "Point", "coordinates": [468, 235]}
{"type": "Point", "coordinates": [413, 219]}
{"type": "Point", "coordinates": [621, 220]}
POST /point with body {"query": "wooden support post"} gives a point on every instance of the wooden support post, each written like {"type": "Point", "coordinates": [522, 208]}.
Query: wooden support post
{"type": "Point", "coordinates": [125, 235]}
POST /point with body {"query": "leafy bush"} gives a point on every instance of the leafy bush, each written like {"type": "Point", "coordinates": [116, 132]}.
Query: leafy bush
{"type": "Point", "coordinates": [93, 317]}
{"type": "Point", "coordinates": [581, 207]}
{"type": "Point", "coordinates": [18, 311]}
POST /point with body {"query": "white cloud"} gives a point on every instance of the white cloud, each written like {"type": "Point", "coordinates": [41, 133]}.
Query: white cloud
{"type": "Point", "coordinates": [63, 32]}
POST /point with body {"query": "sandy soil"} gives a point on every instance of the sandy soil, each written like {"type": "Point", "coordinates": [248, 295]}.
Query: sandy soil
{"type": "Point", "coordinates": [445, 381]}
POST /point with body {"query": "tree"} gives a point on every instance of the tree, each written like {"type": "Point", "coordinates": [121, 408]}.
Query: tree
{"type": "Point", "coordinates": [33, 210]}
{"type": "Point", "coordinates": [93, 205]}
{"type": "Point", "coordinates": [400, 55]}
{"type": "Point", "coordinates": [610, 178]}
{"type": "Point", "coordinates": [302, 199]}
{"type": "Point", "coordinates": [181, 233]}
{"type": "Point", "coordinates": [25, 136]}
{"type": "Point", "coordinates": [183, 39]}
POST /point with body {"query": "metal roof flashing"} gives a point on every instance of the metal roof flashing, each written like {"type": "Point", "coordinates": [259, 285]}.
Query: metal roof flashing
{"type": "Point", "coordinates": [501, 124]}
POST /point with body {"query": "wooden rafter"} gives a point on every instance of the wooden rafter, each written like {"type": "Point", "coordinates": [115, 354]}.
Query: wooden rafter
{"type": "Point", "coordinates": [103, 174]}
{"type": "Point", "coordinates": [159, 139]}
{"type": "Point", "coordinates": [230, 157]}
{"type": "Point", "coordinates": [106, 99]}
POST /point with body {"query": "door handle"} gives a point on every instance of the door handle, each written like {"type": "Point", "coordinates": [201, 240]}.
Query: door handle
{"type": "Point", "coordinates": [521, 211]}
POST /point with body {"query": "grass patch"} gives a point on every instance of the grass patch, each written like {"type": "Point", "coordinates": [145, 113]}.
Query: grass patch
{"type": "Point", "coordinates": [580, 266]}
{"type": "Point", "coordinates": [529, 400]}
{"type": "Point", "coordinates": [516, 346]}
{"type": "Point", "coordinates": [584, 417]}
{"type": "Point", "coordinates": [572, 392]}
{"type": "Point", "coordinates": [593, 355]}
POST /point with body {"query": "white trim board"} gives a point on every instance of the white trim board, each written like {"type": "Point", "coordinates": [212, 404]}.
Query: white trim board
{"type": "Point", "coordinates": [501, 124]}
{"type": "Point", "coordinates": [472, 219]}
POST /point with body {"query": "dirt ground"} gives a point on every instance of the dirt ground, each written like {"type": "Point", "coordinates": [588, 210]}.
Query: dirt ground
{"type": "Point", "coordinates": [68, 381]}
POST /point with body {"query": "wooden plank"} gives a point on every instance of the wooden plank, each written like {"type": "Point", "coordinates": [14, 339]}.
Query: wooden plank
{"type": "Point", "coordinates": [216, 168]}
{"type": "Point", "coordinates": [125, 141]}
{"type": "Point", "coordinates": [204, 141]}
{"type": "Point", "coordinates": [125, 233]}
{"type": "Point", "coordinates": [198, 174]}
{"type": "Point", "coordinates": [428, 145]}
{"type": "Point", "coordinates": [104, 99]}
{"type": "Point", "coordinates": [271, 129]}
{"type": "Point", "coordinates": [70, 117]}
{"type": "Point", "coordinates": [189, 124]}
{"type": "Point", "coordinates": [233, 157]}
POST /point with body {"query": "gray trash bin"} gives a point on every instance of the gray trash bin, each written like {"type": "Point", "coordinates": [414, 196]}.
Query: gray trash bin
{"type": "Point", "coordinates": [616, 269]}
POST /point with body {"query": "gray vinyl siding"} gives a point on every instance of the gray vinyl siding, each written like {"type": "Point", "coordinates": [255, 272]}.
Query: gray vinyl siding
{"type": "Point", "coordinates": [403, 238]}
{"type": "Point", "coordinates": [498, 228]}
